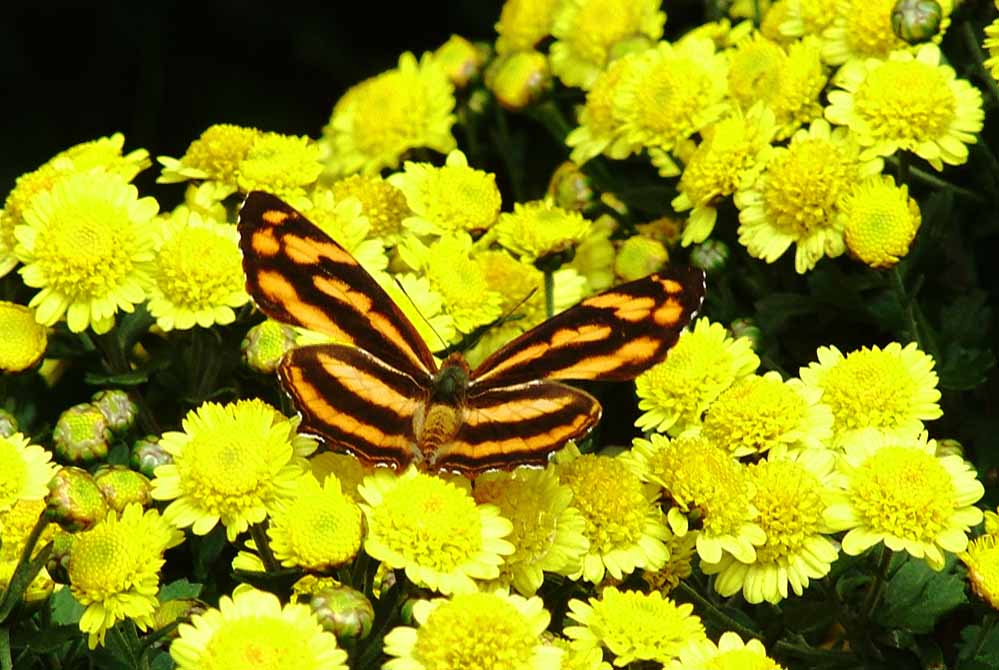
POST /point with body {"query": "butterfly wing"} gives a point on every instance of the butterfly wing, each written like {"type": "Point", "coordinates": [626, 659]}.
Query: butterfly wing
{"type": "Point", "coordinates": [298, 275]}
{"type": "Point", "coordinates": [352, 401]}
{"type": "Point", "coordinates": [612, 336]}
{"type": "Point", "coordinates": [517, 425]}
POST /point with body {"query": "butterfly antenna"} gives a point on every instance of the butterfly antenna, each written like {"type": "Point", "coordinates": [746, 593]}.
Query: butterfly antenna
{"type": "Point", "coordinates": [415, 307]}
{"type": "Point", "coordinates": [473, 337]}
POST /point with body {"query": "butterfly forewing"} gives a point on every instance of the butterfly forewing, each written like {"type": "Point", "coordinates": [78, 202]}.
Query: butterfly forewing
{"type": "Point", "coordinates": [298, 275]}
{"type": "Point", "coordinates": [612, 336]}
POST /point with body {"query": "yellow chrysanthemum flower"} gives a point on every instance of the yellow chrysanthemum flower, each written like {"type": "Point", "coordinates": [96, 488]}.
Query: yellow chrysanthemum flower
{"type": "Point", "coordinates": [202, 483]}
{"type": "Point", "coordinates": [879, 221]}
{"type": "Point", "coordinates": [702, 481]}
{"type": "Point", "coordinates": [41, 587]}
{"type": "Point", "coordinates": [682, 550]}
{"type": "Point", "coordinates": [705, 361]}
{"type": "Point", "coordinates": [87, 245]}
{"type": "Point", "coordinates": [900, 493]}
{"type": "Point", "coordinates": [753, 70]}
{"type": "Point", "coordinates": [345, 222]}
{"type": "Point", "coordinates": [801, 79]}
{"type": "Point", "coordinates": [596, 255]}
{"type": "Point", "coordinates": [861, 29]}
{"type": "Point", "coordinates": [524, 23]}
{"type": "Point", "coordinates": [982, 560]}
{"type": "Point", "coordinates": [433, 529]}
{"type": "Point", "coordinates": [382, 203]}
{"type": "Point", "coordinates": [548, 532]}
{"type": "Point", "coordinates": [22, 339]}
{"type": "Point", "coordinates": [757, 413]}
{"type": "Point", "coordinates": [633, 626]}
{"type": "Point", "coordinates": [253, 629]}
{"type": "Point", "coordinates": [587, 31]}
{"type": "Point", "coordinates": [732, 154]}
{"type": "Point", "coordinates": [377, 121]}
{"type": "Point", "coordinates": [105, 153]}
{"type": "Point", "coordinates": [454, 197]}
{"type": "Point", "coordinates": [317, 528]}
{"type": "Point", "coordinates": [731, 653]}
{"type": "Point", "coordinates": [579, 659]}
{"type": "Point", "coordinates": [539, 228]}
{"type": "Point", "coordinates": [808, 17]}
{"type": "Point", "coordinates": [792, 491]}
{"type": "Point", "coordinates": [670, 93]}
{"type": "Point", "coordinates": [796, 198]}
{"type": "Point", "coordinates": [284, 165]}
{"type": "Point", "coordinates": [213, 158]}
{"type": "Point", "coordinates": [456, 278]}
{"type": "Point", "coordinates": [778, 14]}
{"type": "Point", "coordinates": [600, 130]}
{"type": "Point", "coordinates": [17, 521]}
{"type": "Point", "coordinates": [892, 389]}
{"type": "Point", "coordinates": [114, 569]}
{"type": "Point", "coordinates": [910, 102]}
{"type": "Point", "coordinates": [25, 471]}
{"type": "Point", "coordinates": [474, 631]}
{"type": "Point", "coordinates": [991, 44]}
{"type": "Point", "coordinates": [424, 305]}
{"type": "Point", "coordinates": [8, 261]}
{"type": "Point", "coordinates": [347, 468]}
{"type": "Point", "coordinates": [624, 525]}
{"type": "Point", "coordinates": [198, 276]}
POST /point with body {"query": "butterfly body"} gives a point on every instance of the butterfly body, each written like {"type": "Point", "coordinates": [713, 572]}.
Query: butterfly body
{"type": "Point", "coordinates": [378, 391]}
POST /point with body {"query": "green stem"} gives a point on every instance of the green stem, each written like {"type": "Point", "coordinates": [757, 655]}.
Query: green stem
{"type": "Point", "coordinates": [983, 633]}
{"type": "Point", "coordinates": [974, 46]}
{"type": "Point", "coordinates": [877, 587]}
{"type": "Point", "coordinates": [259, 536]}
{"type": "Point", "coordinates": [550, 116]}
{"type": "Point", "coordinates": [927, 179]}
{"type": "Point", "coordinates": [6, 662]}
{"type": "Point", "coordinates": [549, 293]}
{"type": "Point", "coordinates": [116, 361]}
{"type": "Point", "coordinates": [19, 581]}
{"type": "Point", "coordinates": [903, 167]}
{"type": "Point", "coordinates": [504, 144]}
{"type": "Point", "coordinates": [709, 611]}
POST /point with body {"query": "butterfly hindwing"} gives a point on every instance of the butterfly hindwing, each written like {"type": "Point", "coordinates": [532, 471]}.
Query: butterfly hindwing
{"type": "Point", "coordinates": [612, 336]}
{"type": "Point", "coordinates": [298, 275]}
{"type": "Point", "coordinates": [352, 401]}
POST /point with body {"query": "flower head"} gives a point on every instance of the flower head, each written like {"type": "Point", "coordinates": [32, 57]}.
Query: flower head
{"type": "Point", "coordinates": [795, 200]}
{"type": "Point", "coordinates": [477, 631]}
{"type": "Point", "coordinates": [633, 626]}
{"type": "Point", "coordinates": [808, 17]}
{"type": "Point", "coordinates": [600, 130]}
{"type": "Point", "coordinates": [281, 164]}
{"type": "Point", "coordinates": [801, 80]}
{"type": "Point", "coordinates": [861, 29]}
{"type": "Point", "coordinates": [318, 528]}
{"type": "Point", "coordinates": [587, 31]}
{"type": "Point", "coordinates": [213, 158]}
{"type": "Point", "coordinates": [433, 529]}
{"type": "Point", "coordinates": [991, 44]}
{"type": "Point", "coordinates": [624, 525]}
{"type": "Point", "coordinates": [523, 23]}
{"type": "Point", "coordinates": [892, 389]}
{"type": "Point", "coordinates": [382, 204]}
{"type": "Point", "coordinates": [879, 221]}
{"type": "Point", "coordinates": [899, 492]}
{"type": "Point", "coordinates": [204, 485]}
{"type": "Point", "coordinates": [86, 244]}
{"type": "Point", "coordinates": [548, 533]}
{"type": "Point", "coordinates": [22, 339]}
{"type": "Point", "coordinates": [731, 653]}
{"type": "Point", "coordinates": [114, 569]}
{"type": "Point", "coordinates": [198, 277]}
{"type": "Point", "coordinates": [982, 560]}
{"type": "Point", "coordinates": [380, 119]}
{"type": "Point", "coordinates": [449, 198]}
{"type": "Point", "coordinates": [253, 629]}
{"type": "Point", "coordinates": [539, 229]}
{"type": "Point", "coordinates": [705, 361]}
{"type": "Point", "coordinates": [909, 102]}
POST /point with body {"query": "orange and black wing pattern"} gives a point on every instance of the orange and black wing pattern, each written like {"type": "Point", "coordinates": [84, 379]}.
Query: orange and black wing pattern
{"type": "Point", "coordinates": [612, 336]}
{"type": "Point", "coordinates": [298, 275]}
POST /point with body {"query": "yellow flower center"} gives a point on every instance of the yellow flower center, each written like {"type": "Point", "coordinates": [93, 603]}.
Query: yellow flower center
{"type": "Point", "coordinates": [262, 643]}
{"type": "Point", "coordinates": [199, 269]}
{"type": "Point", "coordinates": [670, 97]}
{"type": "Point", "coordinates": [755, 70]}
{"type": "Point", "coordinates": [280, 163]}
{"type": "Point", "coordinates": [753, 415]}
{"type": "Point", "coordinates": [14, 477]}
{"type": "Point", "coordinates": [909, 101]}
{"type": "Point", "coordinates": [458, 197]}
{"type": "Point", "coordinates": [22, 339]}
{"type": "Point", "coordinates": [475, 631]}
{"type": "Point", "coordinates": [462, 284]}
{"type": "Point", "coordinates": [219, 151]}
{"type": "Point", "coordinates": [383, 204]}
{"type": "Point", "coordinates": [881, 222]}
{"type": "Point", "coordinates": [324, 528]}
{"type": "Point", "coordinates": [803, 184]}
{"type": "Point", "coordinates": [430, 522]}
{"type": "Point", "coordinates": [610, 499]}
{"type": "Point", "coordinates": [868, 27]}
{"type": "Point", "coordinates": [386, 107]}
{"type": "Point", "coordinates": [105, 561]}
{"type": "Point", "coordinates": [643, 626]}
{"type": "Point", "coordinates": [869, 389]}
{"type": "Point", "coordinates": [599, 24]}
{"type": "Point", "coordinates": [599, 112]}
{"type": "Point", "coordinates": [790, 505]}
{"type": "Point", "coordinates": [905, 492]}
{"type": "Point", "coordinates": [16, 524]}
{"type": "Point", "coordinates": [716, 167]}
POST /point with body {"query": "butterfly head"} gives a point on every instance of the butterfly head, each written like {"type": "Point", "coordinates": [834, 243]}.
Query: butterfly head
{"type": "Point", "coordinates": [450, 384]}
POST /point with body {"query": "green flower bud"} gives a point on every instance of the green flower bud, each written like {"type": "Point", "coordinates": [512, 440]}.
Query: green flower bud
{"type": "Point", "coordinates": [711, 256]}
{"type": "Point", "coordinates": [461, 59]}
{"type": "Point", "coordinates": [519, 79]}
{"type": "Point", "coordinates": [58, 561]}
{"type": "Point", "coordinates": [8, 423]}
{"type": "Point", "coordinates": [916, 21]}
{"type": "Point", "coordinates": [147, 455]}
{"type": "Point", "coordinates": [117, 407]}
{"type": "Point", "coordinates": [74, 501]}
{"type": "Point", "coordinates": [121, 486]}
{"type": "Point", "coordinates": [949, 447]}
{"type": "Point", "coordinates": [265, 344]}
{"type": "Point", "coordinates": [343, 611]}
{"type": "Point", "coordinates": [570, 188]}
{"type": "Point", "coordinates": [748, 329]}
{"type": "Point", "coordinates": [175, 611]}
{"type": "Point", "coordinates": [82, 434]}
{"type": "Point", "coordinates": [639, 256]}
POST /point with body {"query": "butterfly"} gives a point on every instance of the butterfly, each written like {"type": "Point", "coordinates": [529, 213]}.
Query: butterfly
{"type": "Point", "coordinates": [379, 393]}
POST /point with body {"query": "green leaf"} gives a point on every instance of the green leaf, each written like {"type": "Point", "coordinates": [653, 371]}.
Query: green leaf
{"type": "Point", "coordinates": [181, 588]}
{"type": "Point", "coordinates": [916, 596]}
{"type": "Point", "coordinates": [161, 661]}
{"type": "Point", "coordinates": [130, 378]}
{"type": "Point", "coordinates": [964, 368]}
{"type": "Point", "coordinates": [979, 648]}
{"type": "Point", "coordinates": [66, 609]}
{"type": "Point", "coordinates": [48, 640]}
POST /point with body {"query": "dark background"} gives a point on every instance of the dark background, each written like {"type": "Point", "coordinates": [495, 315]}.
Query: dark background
{"type": "Point", "coordinates": [161, 72]}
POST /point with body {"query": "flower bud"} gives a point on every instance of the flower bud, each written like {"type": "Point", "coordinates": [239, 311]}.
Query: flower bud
{"type": "Point", "coordinates": [916, 21]}
{"type": "Point", "coordinates": [117, 407]}
{"type": "Point", "coordinates": [81, 434]}
{"type": "Point", "coordinates": [519, 79]}
{"type": "Point", "coordinates": [58, 561]}
{"type": "Point", "coordinates": [8, 423]}
{"type": "Point", "coordinates": [22, 339]}
{"type": "Point", "coordinates": [265, 344]}
{"type": "Point", "coordinates": [147, 455]}
{"type": "Point", "coordinates": [121, 486]}
{"type": "Point", "coordinates": [74, 501]}
{"type": "Point", "coordinates": [461, 59]}
{"type": "Point", "coordinates": [176, 610]}
{"type": "Point", "coordinates": [570, 188]}
{"type": "Point", "coordinates": [343, 611]}
{"type": "Point", "coordinates": [639, 256]}
{"type": "Point", "coordinates": [711, 256]}
{"type": "Point", "coordinates": [747, 328]}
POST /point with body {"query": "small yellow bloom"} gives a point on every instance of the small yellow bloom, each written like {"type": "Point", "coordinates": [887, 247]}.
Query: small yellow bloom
{"type": "Point", "coordinates": [25, 471]}
{"type": "Point", "coordinates": [731, 653]}
{"type": "Point", "coordinates": [982, 561]}
{"type": "Point", "coordinates": [600, 130]}
{"type": "Point", "coordinates": [991, 44]}
{"type": "Point", "coordinates": [524, 23]}
{"type": "Point", "coordinates": [861, 29]}
{"type": "Point", "coordinates": [808, 17]}
{"type": "Point", "coordinates": [382, 203]}
{"type": "Point", "coordinates": [538, 229]}
{"type": "Point", "coordinates": [213, 158]}
{"type": "Point", "coordinates": [879, 221]}
{"type": "Point", "coordinates": [22, 339]}
{"type": "Point", "coordinates": [518, 79]}
{"type": "Point", "coordinates": [284, 165]}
